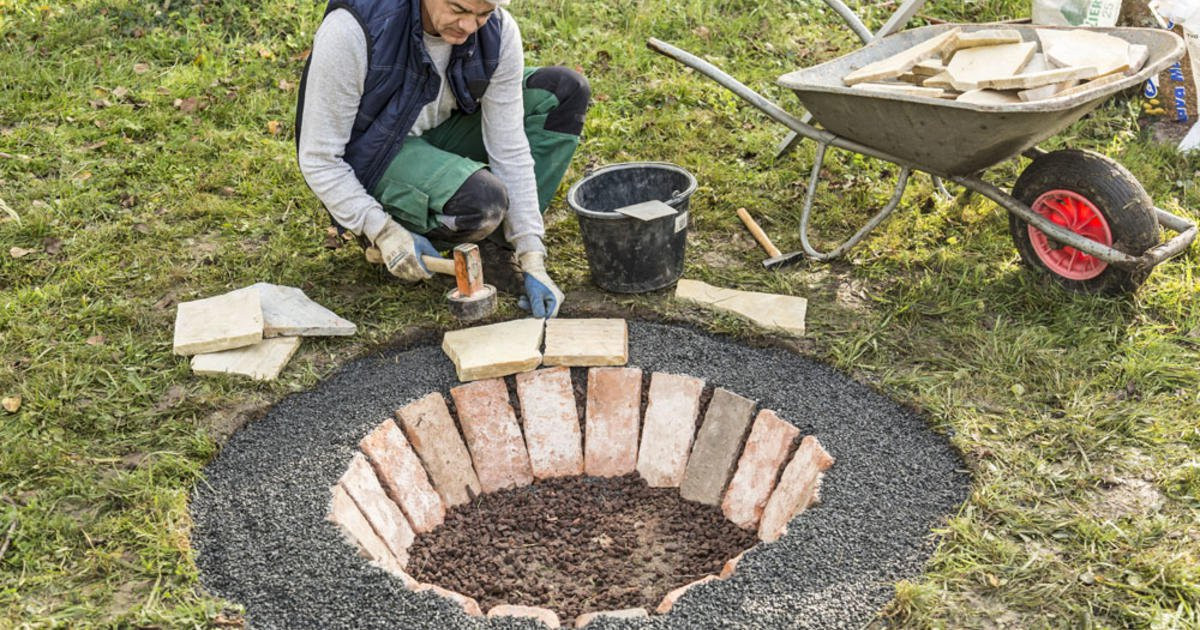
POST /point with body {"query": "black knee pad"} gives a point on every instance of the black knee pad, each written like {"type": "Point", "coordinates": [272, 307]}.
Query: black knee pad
{"type": "Point", "coordinates": [572, 92]}
{"type": "Point", "coordinates": [479, 205]}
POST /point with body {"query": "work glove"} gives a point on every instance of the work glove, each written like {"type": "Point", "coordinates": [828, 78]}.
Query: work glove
{"type": "Point", "coordinates": [542, 296]}
{"type": "Point", "coordinates": [402, 251]}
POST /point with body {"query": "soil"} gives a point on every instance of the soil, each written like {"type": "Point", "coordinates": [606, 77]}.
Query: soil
{"type": "Point", "coordinates": [576, 545]}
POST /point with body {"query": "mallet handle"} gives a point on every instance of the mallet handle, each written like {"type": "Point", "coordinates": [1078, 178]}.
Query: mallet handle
{"type": "Point", "coordinates": [759, 234]}
{"type": "Point", "coordinates": [439, 265]}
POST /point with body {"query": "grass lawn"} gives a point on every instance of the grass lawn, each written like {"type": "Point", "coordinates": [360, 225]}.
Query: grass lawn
{"type": "Point", "coordinates": [146, 158]}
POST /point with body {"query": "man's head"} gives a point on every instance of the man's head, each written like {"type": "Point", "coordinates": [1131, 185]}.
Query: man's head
{"type": "Point", "coordinates": [455, 20]}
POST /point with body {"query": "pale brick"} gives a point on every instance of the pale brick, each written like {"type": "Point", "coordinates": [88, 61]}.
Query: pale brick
{"type": "Point", "coordinates": [586, 342]}
{"type": "Point", "coordinates": [345, 514]}
{"type": "Point", "coordinates": [667, 602]}
{"type": "Point", "coordinates": [403, 477]}
{"type": "Point", "coordinates": [614, 407]}
{"type": "Point", "coordinates": [766, 449]}
{"type": "Point", "coordinates": [625, 613]}
{"type": "Point", "coordinates": [550, 420]}
{"type": "Point", "coordinates": [492, 433]}
{"type": "Point", "coordinates": [670, 424]}
{"type": "Point", "coordinates": [469, 605]}
{"type": "Point", "coordinates": [386, 519]}
{"type": "Point", "coordinates": [431, 432]}
{"type": "Point", "coordinates": [544, 615]}
{"type": "Point", "coordinates": [716, 450]}
{"type": "Point", "coordinates": [798, 488]}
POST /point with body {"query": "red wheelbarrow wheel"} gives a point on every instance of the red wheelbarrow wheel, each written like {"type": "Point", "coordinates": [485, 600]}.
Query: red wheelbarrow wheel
{"type": "Point", "coordinates": [1094, 197]}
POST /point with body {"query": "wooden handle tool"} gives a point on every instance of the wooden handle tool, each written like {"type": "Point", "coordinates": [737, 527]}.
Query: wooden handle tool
{"type": "Point", "coordinates": [758, 233]}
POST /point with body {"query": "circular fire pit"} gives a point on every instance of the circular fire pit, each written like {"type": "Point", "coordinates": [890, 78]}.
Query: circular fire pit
{"type": "Point", "coordinates": [272, 535]}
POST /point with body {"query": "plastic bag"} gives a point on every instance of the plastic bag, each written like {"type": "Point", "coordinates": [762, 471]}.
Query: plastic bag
{"type": "Point", "coordinates": [1077, 12]}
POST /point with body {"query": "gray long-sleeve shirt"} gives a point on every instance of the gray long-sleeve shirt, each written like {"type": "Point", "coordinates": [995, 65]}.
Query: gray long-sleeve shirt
{"type": "Point", "coordinates": [332, 94]}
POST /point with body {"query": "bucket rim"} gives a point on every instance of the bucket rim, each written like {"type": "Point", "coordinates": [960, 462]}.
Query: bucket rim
{"type": "Point", "coordinates": [573, 191]}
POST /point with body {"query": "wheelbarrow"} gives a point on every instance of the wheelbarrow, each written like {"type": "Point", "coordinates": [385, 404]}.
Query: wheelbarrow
{"type": "Point", "coordinates": [1075, 216]}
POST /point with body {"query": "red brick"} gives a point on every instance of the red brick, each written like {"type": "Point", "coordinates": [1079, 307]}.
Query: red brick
{"type": "Point", "coordinates": [551, 422]}
{"type": "Point", "coordinates": [385, 517]}
{"type": "Point", "coordinates": [670, 425]}
{"type": "Point", "coordinates": [492, 433]}
{"type": "Point", "coordinates": [544, 615]}
{"type": "Point", "coordinates": [346, 515]}
{"type": "Point", "coordinates": [667, 602]}
{"type": "Point", "coordinates": [731, 566]}
{"type": "Point", "coordinates": [403, 477]}
{"type": "Point", "coordinates": [614, 407]}
{"type": "Point", "coordinates": [715, 452]}
{"type": "Point", "coordinates": [798, 488]}
{"type": "Point", "coordinates": [626, 613]}
{"type": "Point", "coordinates": [766, 449]}
{"type": "Point", "coordinates": [432, 433]}
{"type": "Point", "coordinates": [469, 605]}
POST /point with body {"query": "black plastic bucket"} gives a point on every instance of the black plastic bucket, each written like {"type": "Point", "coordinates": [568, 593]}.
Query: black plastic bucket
{"type": "Point", "coordinates": [624, 254]}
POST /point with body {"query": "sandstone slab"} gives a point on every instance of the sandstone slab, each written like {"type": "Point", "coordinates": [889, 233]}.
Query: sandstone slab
{"type": "Point", "coordinates": [550, 419]}
{"type": "Point", "coordinates": [544, 615]}
{"type": "Point", "coordinates": [647, 210]}
{"type": "Point", "coordinates": [287, 311]}
{"type": "Point", "coordinates": [493, 436]}
{"type": "Point", "coordinates": [385, 518]}
{"type": "Point", "coordinates": [904, 60]}
{"type": "Point", "coordinates": [669, 601]}
{"type": "Point", "coordinates": [262, 361]}
{"type": "Point", "coordinates": [221, 322]}
{"type": "Point", "coordinates": [1030, 80]}
{"type": "Point", "coordinates": [1088, 85]}
{"type": "Point", "coordinates": [432, 433]}
{"type": "Point", "coordinates": [798, 488]}
{"type": "Point", "coordinates": [970, 66]}
{"type": "Point", "coordinates": [717, 444]}
{"type": "Point", "coordinates": [988, 97]}
{"type": "Point", "coordinates": [625, 613]}
{"type": "Point", "coordinates": [781, 313]}
{"type": "Point", "coordinates": [766, 449]}
{"type": "Point", "coordinates": [986, 37]}
{"type": "Point", "coordinates": [670, 424]}
{"type": "Point", "coordinates": [496, 349]}
{"type": "Point", "coordinates": [586, 342]}
{"type": "Point", "coordinates": [403, 477]}
{"type": "Point", "coordinates": [900, 88]}
{"type": "Point", "coordinates": [613, 415]}
{"type": "Point", "coordinates": [1085, 47]}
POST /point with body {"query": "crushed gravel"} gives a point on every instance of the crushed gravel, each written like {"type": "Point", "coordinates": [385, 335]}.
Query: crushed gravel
{"type": "Point", "coordinates": [261, 537]}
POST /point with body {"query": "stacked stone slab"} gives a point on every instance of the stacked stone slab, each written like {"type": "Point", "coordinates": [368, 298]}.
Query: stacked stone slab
{"type": "Point", "coordinates": [412, 469]}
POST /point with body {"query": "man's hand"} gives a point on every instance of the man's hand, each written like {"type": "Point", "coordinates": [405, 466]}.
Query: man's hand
{"type": "Point", "coordinates": [542, 296]}
{"type": "Point", "coordinates": [402, 251]}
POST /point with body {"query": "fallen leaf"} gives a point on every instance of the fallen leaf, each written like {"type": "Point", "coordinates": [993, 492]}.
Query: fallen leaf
{"type": "Point", "coordinates": [186, 105]}
{"type": "Point", "coordinates": [83, 177]}
{"type": "Point", "coordinates": [128, 200]}
{"type": "Point", "coordinates": [163, 90]}
{"type": "Point", "coordinates": [99, 103]}
{"type": "Point", "coordinates": [96, 340]}
{"type": "Point", "coordinates": [141, 68]}
{"type": "Point", "coordinates": [19, 252]}
{"type": "Point", "coordinates": [285, 85]}
{"type": "Point", "coordinates": [273, 127]}
{"type": "Point", "coordinates": [265, 54]}
{"type": "Point", "coordinates": [52, 245]}
{"type": "Point", "coordinates": [302, 55]}
{"type": "Point", "coordinates": [11, 403]}
{"type": "Point", "coordinates": [702, 32]}
{"type": "Point", "coordinates": [227, 191]}
{"type": "Point", "coordinates": [120, 92]}
{"type": "Point", "coordinates": [142, 228]}
{"type": "Point", "coordinates": [166, 301]}
{"type": "Point", "coordinates": [170, 398]}
{"type": "Point", "coordinates": [95, 145]}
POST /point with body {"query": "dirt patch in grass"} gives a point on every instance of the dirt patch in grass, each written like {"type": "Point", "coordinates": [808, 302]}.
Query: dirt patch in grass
{"type": "Point", "coordinates": [1122, 497]}
{"type": "Point", "coordinates": [576, 545]}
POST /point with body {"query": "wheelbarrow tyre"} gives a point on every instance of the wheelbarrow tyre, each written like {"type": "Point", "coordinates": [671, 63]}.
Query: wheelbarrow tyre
{"type": "Point", "coordinates": [1096, 184]}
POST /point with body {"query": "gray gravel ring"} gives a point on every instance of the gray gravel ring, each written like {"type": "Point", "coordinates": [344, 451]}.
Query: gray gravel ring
{"type": "Point", "coordinates": [262, 540]}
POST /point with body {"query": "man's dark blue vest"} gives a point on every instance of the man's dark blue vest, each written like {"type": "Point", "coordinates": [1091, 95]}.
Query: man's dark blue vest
{"type": "Point", "coordinates": [401, 79]}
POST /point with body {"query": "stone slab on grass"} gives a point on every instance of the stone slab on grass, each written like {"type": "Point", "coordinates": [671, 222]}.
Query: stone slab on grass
{"type": "Point", "coordinates": [385, 517]}
{"type": "Point", "coordinates": [222, 322]}
{"type": "Point", "coordinates": [550, 420]}
{"type": "Point", "coordinates": [782, 313]}
{"type": "Point", "coordinates": [613, 418]}
{"type": "Point", "coordinates": [669, 601]}
{"type": "Point", "coordinates": [493, 436]}
{"type": "Point", "coordinates": [344, 513]}
{"type": "Point", "coordinates": [798, 488]}
{"type": "Point", "coordinates": [586, 342]}
{"type": "Point", "coordinates": [262, 361]}
{"type": "Point", "coordinates": [544, 615]}
{"type": "Point", "coordinates": [717, 444]}
{"type": "Point", "coordinates": [625, 613]}
{"type": "Point", "coordinates": [403, 477]}
{"type": "Point", "coordinates": [496, 349]}
{"type": "Point", "coordinates": [468, 604]}
{"type": "Point", "coordinates": [766, 449]}
{"type": "Point", "coordinates": [433, 435]}
{"type": "Point", "coordinates": [288, 312]}
{"type": "Point", "coordinates": [670, 425]}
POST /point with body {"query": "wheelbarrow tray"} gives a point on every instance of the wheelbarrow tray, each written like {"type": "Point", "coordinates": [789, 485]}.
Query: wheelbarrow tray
{"type": "Point", "coordinates": [946, 137]}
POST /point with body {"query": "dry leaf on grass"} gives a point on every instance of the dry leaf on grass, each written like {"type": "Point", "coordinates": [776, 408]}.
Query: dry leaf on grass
{"type": "Point", "coordinates": [52, 245]}
{"type": "Point", "coordinates": [273, 127]}
{"type": "Point", "coordinates": [11, 403]}
{"type": "Point", "coordinates": [19, 252]}
{"type": "Point", "coordinates": [141, 68]}
{"type": "Point", "coordinates": [96, 340]}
